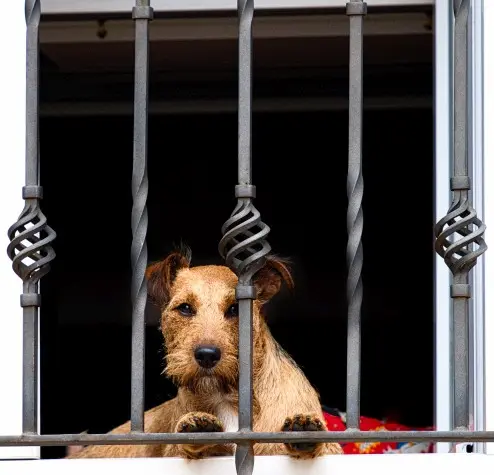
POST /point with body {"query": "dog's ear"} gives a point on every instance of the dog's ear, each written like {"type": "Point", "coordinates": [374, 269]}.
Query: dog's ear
{"type": "Point", "coordinates": [160, 275]}
{"type": "Point", "coordinates": [269, 279]}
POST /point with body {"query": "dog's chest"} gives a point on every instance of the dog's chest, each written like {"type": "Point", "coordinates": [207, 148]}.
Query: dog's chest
{"type": "Point", "coordinates": [228, 415]}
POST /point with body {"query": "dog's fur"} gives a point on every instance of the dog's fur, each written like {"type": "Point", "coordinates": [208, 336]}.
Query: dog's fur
{"type": "Point", "coordinates": [207, 399]}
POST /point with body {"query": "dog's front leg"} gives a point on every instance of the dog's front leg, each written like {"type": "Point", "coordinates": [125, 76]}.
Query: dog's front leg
{"type": "Point", "coordinates": [308, 422]}
{"type": "Point", "coordinates": [201, 422]}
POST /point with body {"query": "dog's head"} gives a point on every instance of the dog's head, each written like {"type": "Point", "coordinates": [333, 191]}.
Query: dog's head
{"type": "Point", "coordinates": [199, 317]}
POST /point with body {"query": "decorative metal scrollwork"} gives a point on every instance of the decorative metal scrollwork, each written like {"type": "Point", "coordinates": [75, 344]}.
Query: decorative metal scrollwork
{"type": "Point", "coordinates": [30, 239]}
{"type": "Point", "coordinates": [244, 245]}
{"type": "Point", "coordinates": [460, 256]}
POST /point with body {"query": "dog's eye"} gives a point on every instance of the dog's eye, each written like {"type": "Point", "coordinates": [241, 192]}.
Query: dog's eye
{"type": "Point", "coordinates": [232, 311]}
{"type": "Point", "coordinates": [185, 309]}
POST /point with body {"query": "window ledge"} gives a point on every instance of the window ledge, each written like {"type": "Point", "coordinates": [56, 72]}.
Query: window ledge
{"type": "Point", "coordinates": [334, 465]}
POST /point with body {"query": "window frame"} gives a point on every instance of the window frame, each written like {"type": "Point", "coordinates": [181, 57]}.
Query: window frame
{"type": "Point", "coordinates": [488, 198]}
{"type": "Point", "coordinates": [381, 464]}
{"type": "Point", "coordinates": [12, 42]}
{"type": "Point", "coordinates": [91, 7]}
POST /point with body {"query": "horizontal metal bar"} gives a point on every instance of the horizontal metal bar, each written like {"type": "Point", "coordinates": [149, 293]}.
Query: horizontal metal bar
{"type": "Point", "coordinates": [237, 437]}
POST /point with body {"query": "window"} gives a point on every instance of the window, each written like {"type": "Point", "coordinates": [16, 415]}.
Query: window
{"type": "Point", "coordinates": [58, 130]}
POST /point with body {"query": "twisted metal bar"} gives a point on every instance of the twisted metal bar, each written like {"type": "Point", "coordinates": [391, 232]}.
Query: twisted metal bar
{"type": "Point", "coordinates": [244, 249]}
{"type": "Point", "coordinates": [30, 237]}
{"type": "Point", "coordinates": [459, 234]}
{"type": "Point", "coordinates": [356, 9]}
{"type": "Point", "coordinates": [142, 13]}
{"type": "Point", "coordinates": [244, 246]}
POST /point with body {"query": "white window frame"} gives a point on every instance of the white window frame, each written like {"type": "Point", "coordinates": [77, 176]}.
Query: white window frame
{"type": "Point", "coordinates": [57, 7]}
{"type": "Point", "coordinates": [488, 175]}
{"type": "Point", "coordinates": [12, 146]}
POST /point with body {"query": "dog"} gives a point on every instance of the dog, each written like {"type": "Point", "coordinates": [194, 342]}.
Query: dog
{"type": "Point", "coordinates": [199, 322]}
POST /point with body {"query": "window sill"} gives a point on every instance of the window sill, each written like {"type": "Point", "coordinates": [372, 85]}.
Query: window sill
{"type": "Point", "coordinates": [334, 465]}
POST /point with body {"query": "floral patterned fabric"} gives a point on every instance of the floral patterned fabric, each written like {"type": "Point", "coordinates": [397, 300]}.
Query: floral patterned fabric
{"type": "Point", "coordinates": [335, 421]}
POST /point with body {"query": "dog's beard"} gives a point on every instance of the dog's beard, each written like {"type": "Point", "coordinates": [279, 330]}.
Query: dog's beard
{"type": "Point", "coordinates": [207, 384]}
{"type": "Point", "coordinates": [185, 372]}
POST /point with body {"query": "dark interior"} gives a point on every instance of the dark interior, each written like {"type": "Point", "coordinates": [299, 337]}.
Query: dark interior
{"type": "Point", "coordinates": [300, 167]}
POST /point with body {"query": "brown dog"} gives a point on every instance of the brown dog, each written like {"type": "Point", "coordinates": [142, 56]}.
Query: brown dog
{"type": "Point", "coordinates": [200, 328]}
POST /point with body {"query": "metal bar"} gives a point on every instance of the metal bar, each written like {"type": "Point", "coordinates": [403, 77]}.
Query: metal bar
{"type": "Point", "coordinates": [460, 375]}
{"type": "Point", "coordinates": [33, 15]}
{"type": "Point", "coordinates": [30, 365]}
{"type": "Point", "coordinates": [30, 313]}
{"type": "Point", "coordinates": [356, 9]}
{"type": "Point", "coordinates": [30, 237]}
{"type": "Point", "coordinates": [245, 17]}
{"type": "Point", "coordinates": [459, 234]}
{"type": "Point", "coordinates": [460, 361]}
{"type": "Point", "coordinates": [142, 13]}
{"type": "Point", "coordinates": [244, 455]}
{"type": "Point", "coordinates": [243, 245]}
{"type": "Point", "coordinates": [243, 437]}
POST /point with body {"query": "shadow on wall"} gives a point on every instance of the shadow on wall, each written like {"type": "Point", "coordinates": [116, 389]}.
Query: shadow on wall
{"type": "Point", "coordinates": [300, 166]}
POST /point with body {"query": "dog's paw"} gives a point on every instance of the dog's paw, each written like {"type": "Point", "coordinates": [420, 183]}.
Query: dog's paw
{"type": "Point", "coordinates": [307, 423]}
{"type": "Point", "coordinates": [199, 422]}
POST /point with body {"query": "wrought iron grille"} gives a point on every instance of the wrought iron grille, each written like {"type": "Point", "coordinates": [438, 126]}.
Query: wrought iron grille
{"type": "Point", "coordinates": [244, 246]}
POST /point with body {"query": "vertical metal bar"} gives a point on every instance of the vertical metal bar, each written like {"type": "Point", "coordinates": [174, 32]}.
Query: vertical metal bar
{"type": "Point", "coordinates": [244, 457]}
{"type": "Point", "coordinates": [30, 237]}
{"type": "Point", "coordinates": [460, 302]}
{"type": "Point", "coordinates": [30, 364]}
{"type": "Point", "coordinates": [142, 13]}
{"type": "Point", "coordinates": [245, 17]}
{"type": "Point", "coordinates": [460, 352]}
{"type": "Point", "coordinates": [30, 324]}
{"type": "Point", "coordinates": [243, 245]}
{"type": "Point", "coordinates": [33, 15]}
{"type": "Point", "coordinates": [356, 9]}
{"type": "Point", "coordinates": [459, 234]}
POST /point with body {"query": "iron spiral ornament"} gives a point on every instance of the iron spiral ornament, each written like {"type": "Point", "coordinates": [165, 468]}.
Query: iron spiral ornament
{"type": "Point", "coordinates": [30, 244]}
{"type": "Point", "coordinates": [30, 237]}
{"type": "Point", "coordinates": [459, 255]}
{"type": "Point", "coordinates": [244, 248]}
{"type": "Point", "coordinates": [459, 234]}
{"type": "Point", "coordinates": [243, 245]}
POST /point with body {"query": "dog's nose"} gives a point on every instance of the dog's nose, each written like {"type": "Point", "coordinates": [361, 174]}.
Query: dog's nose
{"type": "Point", "coordinates": [207, 356]}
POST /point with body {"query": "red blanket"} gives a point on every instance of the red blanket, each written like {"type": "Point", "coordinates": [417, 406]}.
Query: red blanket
{"type": "Point", "coordinates": [335, 421]}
